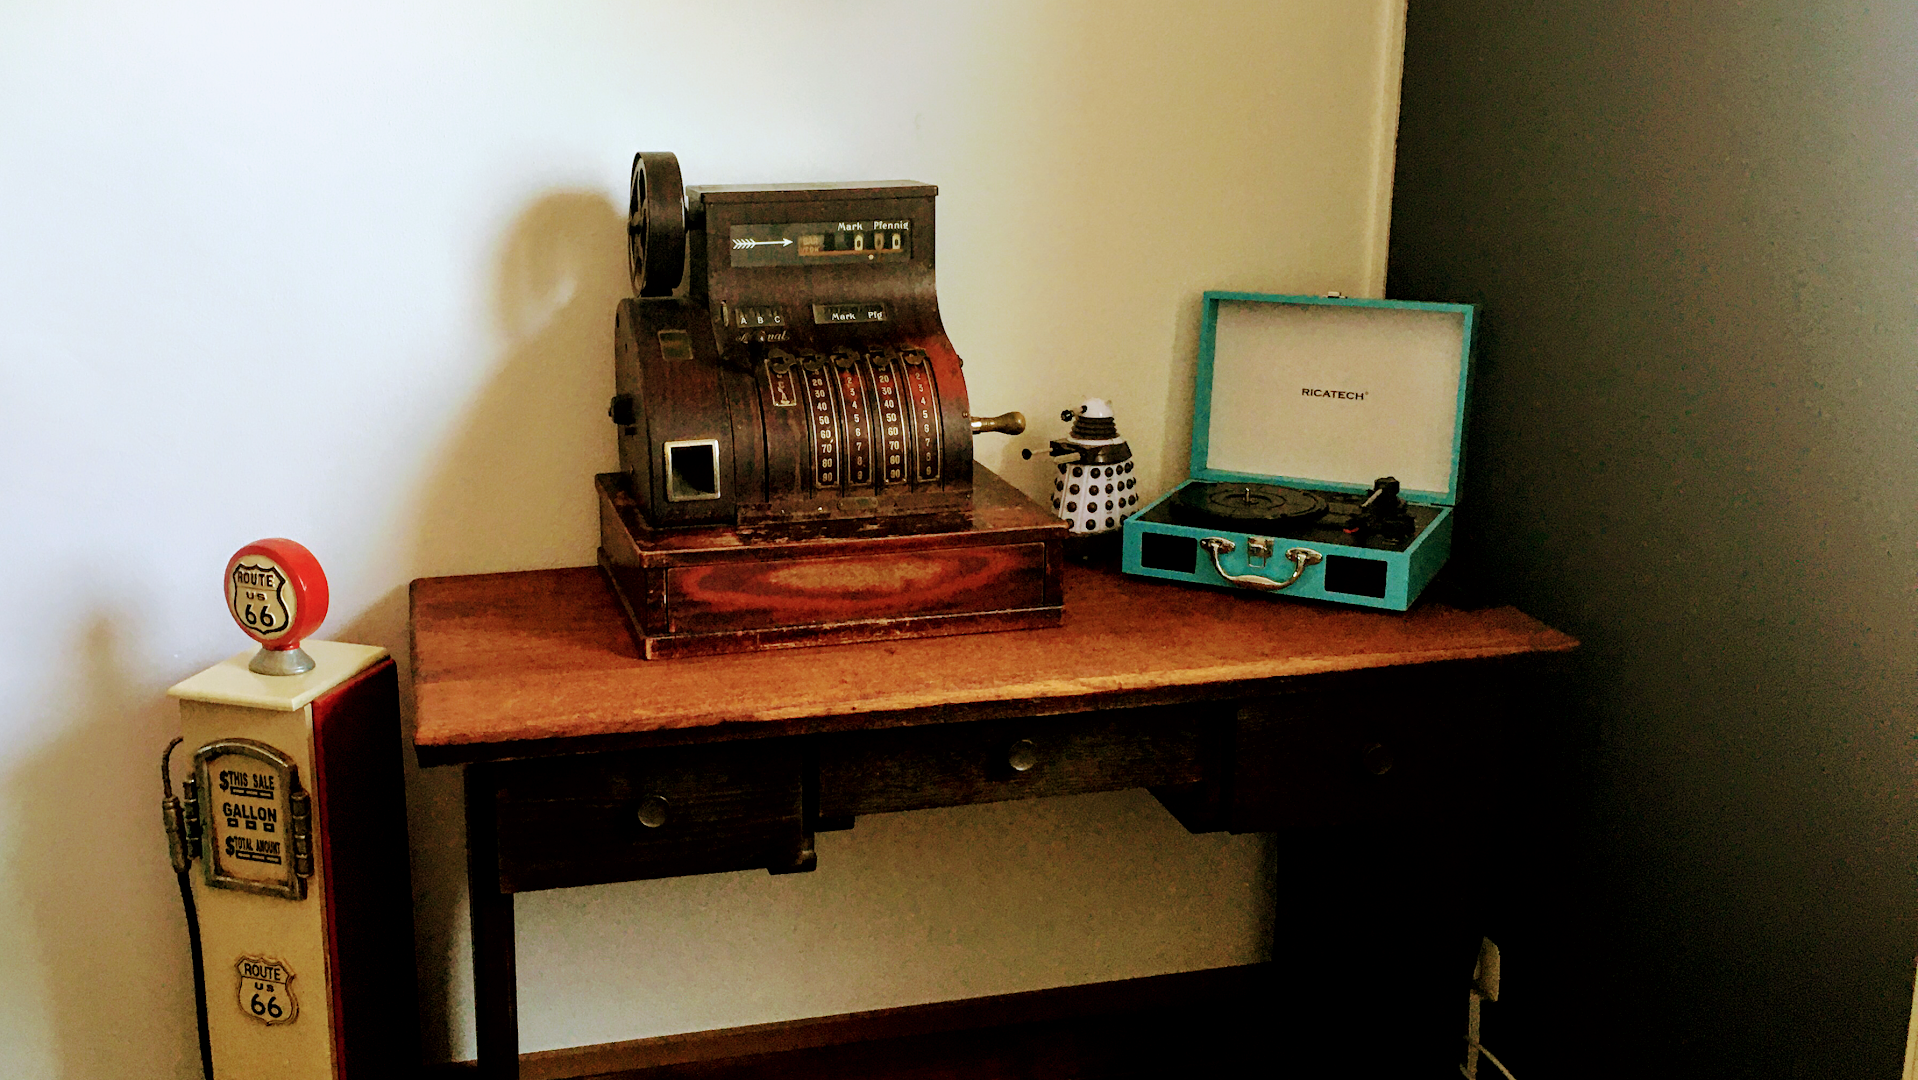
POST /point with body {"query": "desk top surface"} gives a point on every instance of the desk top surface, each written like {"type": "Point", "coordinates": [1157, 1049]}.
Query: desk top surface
{"type": "Point", "coordinates": [540, 662]}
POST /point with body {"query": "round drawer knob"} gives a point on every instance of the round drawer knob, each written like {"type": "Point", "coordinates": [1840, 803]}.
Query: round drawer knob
{"type": "Point", "coordinates": [1023, 756]}
{"type": "Point", "coordinates": [653, 811]}
{"type": "Point", "coordinates": [1376, 759]}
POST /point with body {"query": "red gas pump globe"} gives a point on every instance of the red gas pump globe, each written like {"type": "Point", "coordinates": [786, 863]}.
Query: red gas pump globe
{"type": "Point", "coordinates": [276, 592]}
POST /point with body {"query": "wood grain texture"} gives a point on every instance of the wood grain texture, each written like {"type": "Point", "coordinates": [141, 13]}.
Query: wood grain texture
{"type": "Point", "coordinates": [540, 662]}
{"type": "Point", "coordinates": [708, 591]}
{"type": "Point", "coordinates": [858, 631]}
{"type": "Point", "coordinates": [876, 772]}
{"type": "Point", "coordinates": [798, 592]}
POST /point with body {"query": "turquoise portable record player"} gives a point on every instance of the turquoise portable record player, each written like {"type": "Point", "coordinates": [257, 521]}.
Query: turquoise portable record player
{"type": "Point", "coordinates": [1326, 437]}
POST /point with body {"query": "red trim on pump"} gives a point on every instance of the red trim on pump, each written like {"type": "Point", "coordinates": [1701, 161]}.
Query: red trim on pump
{"type": "Point", "coordinates": [360, 826]}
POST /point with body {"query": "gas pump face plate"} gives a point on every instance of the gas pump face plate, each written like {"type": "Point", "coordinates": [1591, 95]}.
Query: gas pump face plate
{"type": "Point", "coordinates": [257, 834]}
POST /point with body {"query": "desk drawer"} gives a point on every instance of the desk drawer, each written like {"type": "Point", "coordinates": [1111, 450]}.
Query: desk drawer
{"type": "Point", "coordinates": [654, 813]}
{"type": "Point", "coordinates": [877, 772]}
{"type": "Point", "coordinates": [1407, 749]}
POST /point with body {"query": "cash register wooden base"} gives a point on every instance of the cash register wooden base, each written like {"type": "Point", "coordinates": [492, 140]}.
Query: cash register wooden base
{"type": "Point", "coordinates": [716, 589]}
{"type": "Point", "coordinates": [585, 763]}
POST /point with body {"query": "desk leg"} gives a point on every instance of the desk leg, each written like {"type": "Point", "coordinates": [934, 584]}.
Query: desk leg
{"type": "Point", "coordinates": [1376, 931]}
{"type": "Point", "coordinates": [495, 978]}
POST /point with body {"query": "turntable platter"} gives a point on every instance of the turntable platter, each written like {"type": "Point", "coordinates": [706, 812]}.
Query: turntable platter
{"type": "Point", "coordinates": [1249, 505]}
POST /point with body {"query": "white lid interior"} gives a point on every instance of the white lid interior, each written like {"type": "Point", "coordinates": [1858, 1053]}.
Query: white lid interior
{"type": "Point", "coordinates": [1277, 366]}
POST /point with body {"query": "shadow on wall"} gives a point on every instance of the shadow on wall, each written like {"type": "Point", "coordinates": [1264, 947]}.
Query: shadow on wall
{"type": "Point", "coordinates": [512, 490]}
{"type": "Point", "coordinates": [89, 861]}
{"type": "Point", "coordinates": [1120, 387]}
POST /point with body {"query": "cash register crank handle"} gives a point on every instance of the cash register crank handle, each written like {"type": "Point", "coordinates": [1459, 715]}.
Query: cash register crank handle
{"type": "Point", "coordinates": [1298, 556]}
{"type": "Point", "coordinates": [1012, 423]}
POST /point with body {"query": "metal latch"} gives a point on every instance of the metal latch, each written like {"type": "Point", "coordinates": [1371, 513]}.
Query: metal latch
{"type": "Point", "coordinates": [1258, 549]}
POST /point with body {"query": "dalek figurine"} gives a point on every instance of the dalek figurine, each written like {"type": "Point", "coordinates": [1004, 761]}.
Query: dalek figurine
{"type": "Point", "coordinates": [1095, 488]}
{"type": "Point", "coordinates": [299, 910]}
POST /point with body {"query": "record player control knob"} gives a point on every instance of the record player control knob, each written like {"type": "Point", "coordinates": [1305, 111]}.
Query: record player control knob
{"type": "Point", "coordinates": [653, 811]}
{"type": "Point", "coordinates": [1022, 756]}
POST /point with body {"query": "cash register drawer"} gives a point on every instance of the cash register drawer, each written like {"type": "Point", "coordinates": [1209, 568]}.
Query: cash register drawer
{"type": "Point", "coordinates": [655, 813]}
{"type": "Point", "coordinates": [993, 760]}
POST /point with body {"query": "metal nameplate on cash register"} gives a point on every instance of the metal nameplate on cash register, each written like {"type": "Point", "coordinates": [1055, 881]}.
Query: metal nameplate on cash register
{"type": "Point", "coordinates": [783, 365]}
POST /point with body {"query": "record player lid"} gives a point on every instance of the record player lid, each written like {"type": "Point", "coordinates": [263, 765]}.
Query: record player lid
{"type": "Point", "coordinates": [1332, 392]}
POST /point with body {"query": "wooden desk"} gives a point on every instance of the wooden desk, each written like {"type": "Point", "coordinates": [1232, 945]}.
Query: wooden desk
{"type": "Point", "coordinates": [586, 764]}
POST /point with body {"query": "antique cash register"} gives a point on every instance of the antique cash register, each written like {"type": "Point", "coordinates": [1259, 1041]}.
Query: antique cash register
{"type": "Point", "coordinates": [795, 439]}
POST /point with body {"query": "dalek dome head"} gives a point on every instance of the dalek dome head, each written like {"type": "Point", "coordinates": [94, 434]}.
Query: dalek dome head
{"type": "Point", "coordinates": [1095, 489]}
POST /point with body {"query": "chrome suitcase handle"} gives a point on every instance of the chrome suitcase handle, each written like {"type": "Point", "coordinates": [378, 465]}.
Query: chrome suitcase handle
{"type": "Point", "coordinates": [1299, 557]}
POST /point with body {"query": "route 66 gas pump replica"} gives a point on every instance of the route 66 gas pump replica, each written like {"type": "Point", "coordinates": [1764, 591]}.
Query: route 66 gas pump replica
{"type": "Point", "coordinates": [299, 912]}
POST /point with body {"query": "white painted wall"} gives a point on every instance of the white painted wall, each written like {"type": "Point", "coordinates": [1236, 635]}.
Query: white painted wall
{"type": "Point", "coordinates": [346, 273]}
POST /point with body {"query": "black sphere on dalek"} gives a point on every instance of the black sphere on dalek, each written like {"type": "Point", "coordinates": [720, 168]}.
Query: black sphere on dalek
{"type": "Point", "coordinates": [1095, 488]}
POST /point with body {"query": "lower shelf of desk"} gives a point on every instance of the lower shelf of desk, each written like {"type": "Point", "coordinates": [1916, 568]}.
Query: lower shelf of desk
{"type": "Point", "coordinates": [1182, 1022]}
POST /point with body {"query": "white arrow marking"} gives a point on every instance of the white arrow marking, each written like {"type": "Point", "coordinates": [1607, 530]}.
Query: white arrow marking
{"type": "Point", "coordinates": [739, 244]}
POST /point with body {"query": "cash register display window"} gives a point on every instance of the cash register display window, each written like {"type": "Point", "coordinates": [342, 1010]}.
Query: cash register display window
{"type": "Point", "coordinates": [814, 243]}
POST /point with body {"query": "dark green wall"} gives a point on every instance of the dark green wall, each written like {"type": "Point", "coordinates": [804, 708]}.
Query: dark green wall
{"type": "Point", "coordinates": [1694, 231]}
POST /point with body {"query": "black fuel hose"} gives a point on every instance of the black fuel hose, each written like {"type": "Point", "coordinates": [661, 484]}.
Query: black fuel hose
{"type": "Point", "coordinates": [171, 814]}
